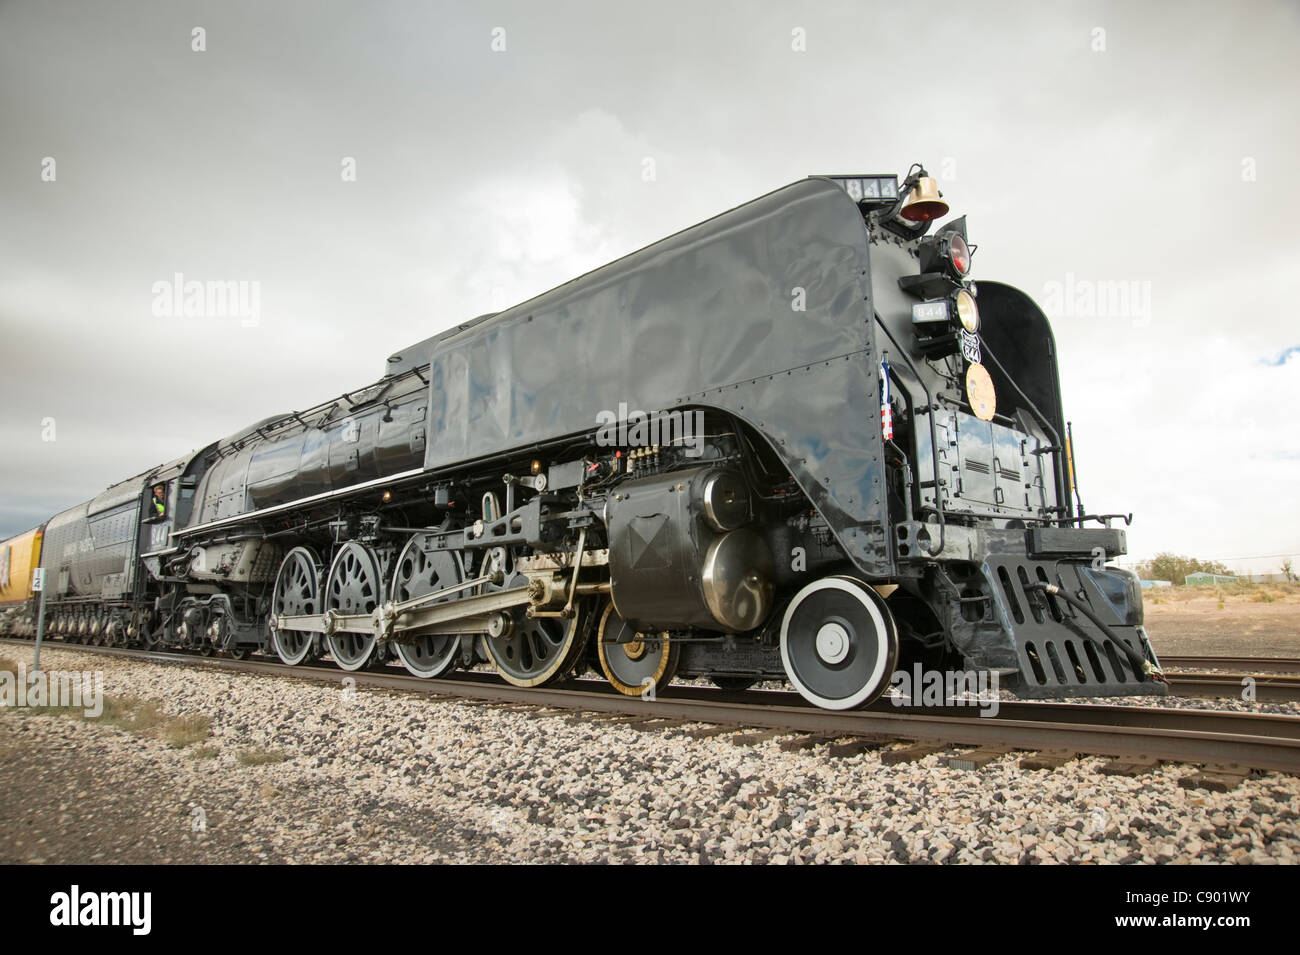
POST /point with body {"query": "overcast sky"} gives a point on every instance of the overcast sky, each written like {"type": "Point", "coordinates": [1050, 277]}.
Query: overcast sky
{"type": "Point", "coordinates": [1153, 144]}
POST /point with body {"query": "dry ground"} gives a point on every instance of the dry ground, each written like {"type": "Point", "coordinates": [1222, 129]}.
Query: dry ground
{"type": "Point", "coordinates": [1258, 620]}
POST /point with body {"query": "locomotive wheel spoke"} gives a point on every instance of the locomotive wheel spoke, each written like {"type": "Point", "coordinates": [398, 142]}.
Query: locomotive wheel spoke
{"type": "Point", "coordinates": [297, 591]}
{"type": "Point", "coordinates": [839, 643]}
{"type": "Point", "coordinates": [633, 662]}
{"type": "Point", "coordinates": [535, 651]}
{"type": "Point", "coordinates": [355, 585]}
{"type": "Point", "coordinates": [419, 572]}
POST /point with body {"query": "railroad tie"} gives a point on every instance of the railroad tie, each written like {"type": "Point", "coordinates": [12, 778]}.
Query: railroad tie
{"type": "Point", "coordinates": [805, 741]}
{"type": "Point", "coordinates": [634, 721]}
{"type": "Point", "coordinates": [857, 746]}
{"type": "Point", "coordinates": [976, 758]}
{"type": "Point", "coordinates": [1215, 779]}
{"type": "Point", "coordinates": [656, 723]}
{"type": "Point", "coordinates": [1129, 766]}
{"type": "Point", "coordinates": [1047, 759]}
{"type": "Point", "coordinates": [762, 736]}
{"type": "Point", "coordinates": [626, 719]}
{"type": "Point", "coordinates": [912, 753]}
{"type": "Point", "coordinates": [708, 732]}
{"type": "Point", "coordinates": [502, 705]}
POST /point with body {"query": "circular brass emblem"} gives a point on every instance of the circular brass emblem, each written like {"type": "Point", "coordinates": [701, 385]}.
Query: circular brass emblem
{"type": "Point", "coordinates": [979, 392]}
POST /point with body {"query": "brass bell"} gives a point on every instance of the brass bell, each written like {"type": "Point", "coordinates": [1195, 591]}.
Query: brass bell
{"type": "Point", "coordinates": [923, 202]}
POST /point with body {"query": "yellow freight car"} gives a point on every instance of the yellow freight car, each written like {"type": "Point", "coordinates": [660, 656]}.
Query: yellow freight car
{"type": "Point", "coordinates": [18, 556]}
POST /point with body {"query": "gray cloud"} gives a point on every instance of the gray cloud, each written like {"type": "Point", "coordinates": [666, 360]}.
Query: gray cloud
{"type": "Point", "coordinates": [485, 177]}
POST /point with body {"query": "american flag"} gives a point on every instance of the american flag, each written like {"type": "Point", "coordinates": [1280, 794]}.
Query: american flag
{"type": "Point", "coordinates": [886, 411]}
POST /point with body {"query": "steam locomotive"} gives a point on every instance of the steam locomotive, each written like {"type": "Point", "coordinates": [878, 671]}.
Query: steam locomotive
{"type": "Point", "coordinates": [793, 442]}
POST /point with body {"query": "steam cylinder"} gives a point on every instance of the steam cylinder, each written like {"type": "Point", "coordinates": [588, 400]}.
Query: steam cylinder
{"type": "Point", "coordinates": [680, 555]}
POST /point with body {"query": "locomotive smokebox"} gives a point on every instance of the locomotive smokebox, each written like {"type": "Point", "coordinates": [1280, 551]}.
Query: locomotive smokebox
{"type": "Point", "coordinates": [680, 555]}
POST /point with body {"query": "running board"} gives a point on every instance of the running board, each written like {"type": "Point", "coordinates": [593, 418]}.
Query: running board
{"type": "Point", "coordinates": [482, 613]}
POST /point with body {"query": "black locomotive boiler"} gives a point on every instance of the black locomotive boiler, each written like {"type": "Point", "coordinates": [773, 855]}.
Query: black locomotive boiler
{"type": "Point", "coordinates": [792, 442]}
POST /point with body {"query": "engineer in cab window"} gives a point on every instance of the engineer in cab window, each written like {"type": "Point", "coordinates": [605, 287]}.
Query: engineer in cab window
{"type": "Point", "coordinates": [157, 504]}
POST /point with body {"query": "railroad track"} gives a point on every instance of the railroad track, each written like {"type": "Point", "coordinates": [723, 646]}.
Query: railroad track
{"type": "Point", "coordinates": [1228, 744]}
{"type": "Point", "coordinates": [1271, 679]}
{"type": "Point", "coordinates": [1263, 687]}
{"type": "Point", "coordinates": [1252, 665]}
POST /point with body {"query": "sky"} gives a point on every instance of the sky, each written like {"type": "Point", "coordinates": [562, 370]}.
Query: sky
{"type": "Point", "coordinates": [379, 171]}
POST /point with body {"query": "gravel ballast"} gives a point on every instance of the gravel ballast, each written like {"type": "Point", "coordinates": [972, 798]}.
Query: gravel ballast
{"type": "Point", "coordinates": [302, 772]}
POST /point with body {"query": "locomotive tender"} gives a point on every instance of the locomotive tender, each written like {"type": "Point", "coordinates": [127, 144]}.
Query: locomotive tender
{"type": "Point", "coordinates": [793, 442]}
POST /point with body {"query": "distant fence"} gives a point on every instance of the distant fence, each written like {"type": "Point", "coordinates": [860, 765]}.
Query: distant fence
{"type": "Point", "coordinates": [1205, 580]}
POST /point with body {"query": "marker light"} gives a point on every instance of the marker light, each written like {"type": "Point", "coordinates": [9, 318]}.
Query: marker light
{"type": "Point", "coordinates": [958, 253]}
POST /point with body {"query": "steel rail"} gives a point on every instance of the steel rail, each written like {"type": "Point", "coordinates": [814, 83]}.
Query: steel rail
{"type": "Point", "coordinates": [1263, 687]}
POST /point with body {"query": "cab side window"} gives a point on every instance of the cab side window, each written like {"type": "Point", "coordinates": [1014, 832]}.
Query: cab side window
{"type": "Point", "coordinates": [155, 508]}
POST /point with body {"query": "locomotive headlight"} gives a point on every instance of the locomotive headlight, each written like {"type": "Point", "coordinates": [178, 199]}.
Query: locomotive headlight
{"type": "Point", "coordinates": [968, 312]}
